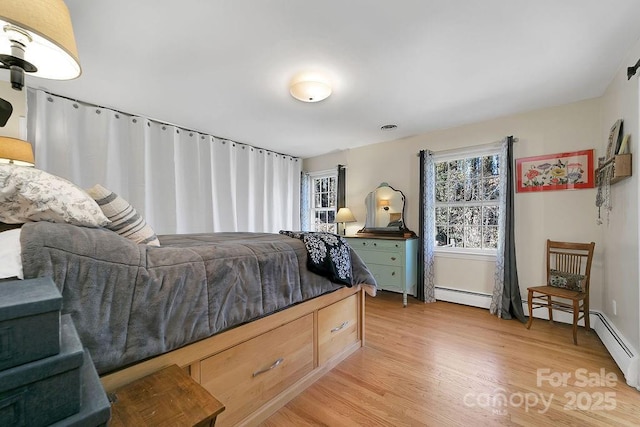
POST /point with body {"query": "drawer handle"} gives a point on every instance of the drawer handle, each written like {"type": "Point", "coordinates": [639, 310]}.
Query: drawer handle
{"type": "Point", "coordinates": [342, 326]}
{"type": "Point", "coordinates": [393, 273]}
{"type": "Point", "coordinates": [393, 258]}
{"type": "Point", "coordinates": [275, 365]}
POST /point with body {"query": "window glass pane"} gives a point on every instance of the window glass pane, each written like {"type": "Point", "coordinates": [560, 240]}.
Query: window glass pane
{"type": "Point", "coordinates": [473, 168]}
{"type": "Point", "coordinates": [456, 170]}
{"type": "Point", "coordinates": [442, 216]}
{"type": "Point", "coordinates": [456, 216]}
{"type": "Point", "coordinates": [472, 190]}
{"type": "Point", "coordinates": [332, 199]}
{"type": "Point", "coordinates": [324, 200]}
{"type": "Point", "coordinates": [331, 216]}
{"type": "Point", "coordinates": [490, 215]}
{"type": "Point", "coordinates": [456, 191]}
{"type": "Point", "coordinates": [491, 165]}
{"type": "Point", "coordinates": [491, 190]}
{"type": "Point", "coordinates": [456, 235]}
{"type": "Point", "coordinates": [473, 237]}
{"type": "Point", "coordinates": [441, 236]}
{"type": "Point", "coordinates": [441, 171]}
{"type": "Point", "coordinates": [441, 192]}
{"type": "Point", "coordinates": [318, 202]}
{"type": "Point", "coordinates": [490, 237]}
{"type": "Point", "coordinates": [472, 215]}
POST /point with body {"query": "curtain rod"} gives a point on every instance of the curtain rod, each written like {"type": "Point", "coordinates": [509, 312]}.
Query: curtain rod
{"type": "Point", "coordinates": [161, 122]}
{"type": "Point", "coordinates": [453, 150]}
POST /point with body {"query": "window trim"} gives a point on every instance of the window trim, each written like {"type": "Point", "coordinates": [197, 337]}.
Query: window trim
{"type": "Point", "coordinates": [459, 154]}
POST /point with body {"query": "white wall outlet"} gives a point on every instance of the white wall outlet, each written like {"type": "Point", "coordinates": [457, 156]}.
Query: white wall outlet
{"type": "Point", "coordinates": [614, 307]}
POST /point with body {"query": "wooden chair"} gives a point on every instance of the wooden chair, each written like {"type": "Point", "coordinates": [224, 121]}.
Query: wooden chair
{"type": "Point", "coordinates": [567, 289]}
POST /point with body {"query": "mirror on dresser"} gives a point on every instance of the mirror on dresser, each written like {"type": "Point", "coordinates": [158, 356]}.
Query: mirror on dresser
{"type": "Point", "coordinates": [386, 245]}
{"type": "Point", "coordinates": [385, 213]}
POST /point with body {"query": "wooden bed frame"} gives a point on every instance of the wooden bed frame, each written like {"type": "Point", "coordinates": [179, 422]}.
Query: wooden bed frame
{"type": "Point", "coordinates": [256, 368]}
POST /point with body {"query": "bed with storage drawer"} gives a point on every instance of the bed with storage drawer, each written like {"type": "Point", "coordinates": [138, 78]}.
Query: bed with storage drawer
{"type": "Point", "coordinates": [239, 311]}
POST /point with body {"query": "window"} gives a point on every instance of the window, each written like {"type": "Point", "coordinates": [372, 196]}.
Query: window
{"type": "Point", "coordinates": [467, 201]}
{"type": "Point", "coordinates": [324, 193]}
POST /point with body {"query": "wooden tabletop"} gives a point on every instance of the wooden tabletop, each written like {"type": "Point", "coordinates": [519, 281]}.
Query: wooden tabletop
{"type": "Point", "coordinates": [169, 397]}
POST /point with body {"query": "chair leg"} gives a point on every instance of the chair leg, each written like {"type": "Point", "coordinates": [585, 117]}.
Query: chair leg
{"type": "Point", "coordinates": [550, 308]}
{"type": "Point", "coordinates": [576, 314]}
{"type": "Point", "coordinates": [530, 302]}
{"type": "Point", "coordinates": [585, 307]}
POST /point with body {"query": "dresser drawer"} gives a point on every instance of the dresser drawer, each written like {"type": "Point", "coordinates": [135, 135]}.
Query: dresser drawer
{"type": "Point", "coordinates": [388, 278]}
{"type": "Point", "coordinates": [382, 257]}
{"type": "Point", "coordinates": [248, 375]}
{"type": "Point", "coordinates": [376, 244]}
{"type": "Point", "coordinates": [337, 327]}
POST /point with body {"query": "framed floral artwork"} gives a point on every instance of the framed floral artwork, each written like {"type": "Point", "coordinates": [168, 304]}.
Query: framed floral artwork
{"type": "Point", "coordinates": [562, 171]}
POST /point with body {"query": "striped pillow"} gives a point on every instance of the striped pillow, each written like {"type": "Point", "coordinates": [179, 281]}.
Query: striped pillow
{"type": "Point", "coordinates": [124, 219]}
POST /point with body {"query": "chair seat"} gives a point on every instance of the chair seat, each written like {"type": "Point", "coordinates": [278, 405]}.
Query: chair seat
{"type": "Point", "coordinates": [558, 292]}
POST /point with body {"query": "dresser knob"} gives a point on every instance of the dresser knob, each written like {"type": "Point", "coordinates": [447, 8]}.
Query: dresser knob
{"type": "Point", "coordinates": [393, 273]}
{"type": "Point", "coordinates": [375, 244]}
{"type": "Point", "coordinates": [393, 258]}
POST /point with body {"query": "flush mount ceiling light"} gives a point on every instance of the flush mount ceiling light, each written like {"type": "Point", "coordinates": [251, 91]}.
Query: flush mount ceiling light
{"type": "Point", "coordinates": [310, 87]}
{"type": "Point", "coordinates": [388, 127]}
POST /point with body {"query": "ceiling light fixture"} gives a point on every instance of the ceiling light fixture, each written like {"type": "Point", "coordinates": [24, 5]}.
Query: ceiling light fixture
{"type": "Point", "coordinates": [388, 127]}
{"type": "Point", "coordinates": [310, 87]}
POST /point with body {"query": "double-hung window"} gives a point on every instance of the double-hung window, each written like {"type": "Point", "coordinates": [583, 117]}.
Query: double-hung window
{"type": "Point", "coordinates": [323, 198]}
{"type": "Point", "coordinates": [467, 201]}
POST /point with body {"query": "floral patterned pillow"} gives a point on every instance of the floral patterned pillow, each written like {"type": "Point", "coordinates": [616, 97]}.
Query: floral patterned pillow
{"type": "Point", "coordinates": [561, 279]}
{"type": "Point", "coordinates": [28, 195]}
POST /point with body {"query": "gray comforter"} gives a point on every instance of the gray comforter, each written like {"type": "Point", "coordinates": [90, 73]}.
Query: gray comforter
{"type": "Point", "coordinates": [130, 302]}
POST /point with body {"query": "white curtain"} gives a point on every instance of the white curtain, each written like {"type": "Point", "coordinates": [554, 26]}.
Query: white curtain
{"type": "Point", "coordinates": [181, 181]}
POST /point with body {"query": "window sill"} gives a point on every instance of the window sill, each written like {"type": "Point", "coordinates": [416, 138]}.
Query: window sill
{"type": "Point", "coordinates": [461, 253]}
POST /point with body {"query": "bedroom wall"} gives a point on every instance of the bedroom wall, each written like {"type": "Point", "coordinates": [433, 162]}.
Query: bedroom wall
{"type": "Point", "coordinates": [620, 235]}
{"type": "Point", "coordinates": [561, 215]}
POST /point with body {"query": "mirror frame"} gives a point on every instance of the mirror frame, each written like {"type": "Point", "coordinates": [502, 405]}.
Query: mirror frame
{"type": "Point", "coordinates": [402, 232]}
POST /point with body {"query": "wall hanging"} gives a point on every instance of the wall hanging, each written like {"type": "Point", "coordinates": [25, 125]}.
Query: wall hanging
{"type": "Point", "coordinates": [562, 171]}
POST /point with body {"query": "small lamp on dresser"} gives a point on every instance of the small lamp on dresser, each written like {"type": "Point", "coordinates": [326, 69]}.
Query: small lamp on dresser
{"type": "Point", "coordinates": [343, 216]}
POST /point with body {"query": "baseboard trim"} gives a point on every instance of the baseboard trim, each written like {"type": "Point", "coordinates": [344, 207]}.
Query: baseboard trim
{"type": "Point", "coordinates": [626, 357]}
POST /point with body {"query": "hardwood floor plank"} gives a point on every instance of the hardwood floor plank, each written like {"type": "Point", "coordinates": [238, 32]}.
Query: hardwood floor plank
{"type": "Point", "coordinates": [445, 364]}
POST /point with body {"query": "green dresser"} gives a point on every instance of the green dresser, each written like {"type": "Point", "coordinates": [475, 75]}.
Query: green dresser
{"type": "Point", "coordinates": [392, 261]}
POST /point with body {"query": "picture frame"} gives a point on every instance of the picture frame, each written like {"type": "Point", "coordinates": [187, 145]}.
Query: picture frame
{"type": "Point", "coordinates": [562, 171]}
{"type": "Point", "coordinates": [615, 139]}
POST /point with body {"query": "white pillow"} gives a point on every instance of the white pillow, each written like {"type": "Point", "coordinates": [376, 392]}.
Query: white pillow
{"type": "Point", "coordinates": [28, 194]}
{"type": "Point", "coordinates": [124, 218]}
{"type": "Point", "coordinates": [10, 254]}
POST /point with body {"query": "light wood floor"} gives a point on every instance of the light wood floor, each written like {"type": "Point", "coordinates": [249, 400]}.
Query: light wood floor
{"type": "Point", "coordinates": [445, 364]}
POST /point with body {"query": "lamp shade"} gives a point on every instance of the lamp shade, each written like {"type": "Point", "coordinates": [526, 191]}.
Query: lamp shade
{"type": "Point", "coordinates": [16, 151]}
{"type": "Point", "coordinates": [345, 215]}
{"type": "Point", "coordinates": [52, 45]}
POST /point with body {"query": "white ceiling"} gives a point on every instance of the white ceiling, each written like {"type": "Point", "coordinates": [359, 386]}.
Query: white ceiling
{"type": "Point", "coordinates": [223, 66]}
